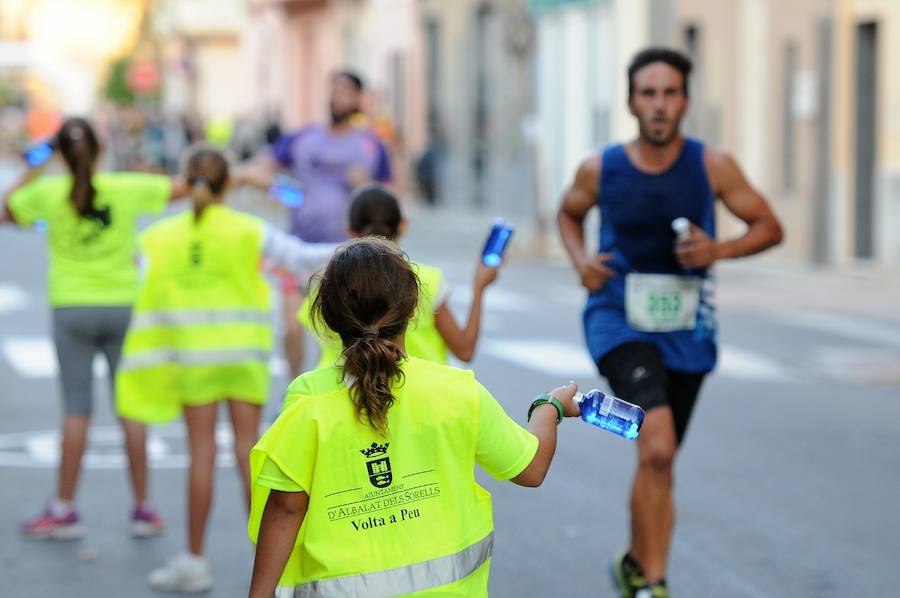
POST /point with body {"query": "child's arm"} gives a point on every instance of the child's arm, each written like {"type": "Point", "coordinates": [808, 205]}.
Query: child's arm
{"type": "Point", "coordinates": [278, 529]}
{"type": "Point", "coordinates": [461, 342]}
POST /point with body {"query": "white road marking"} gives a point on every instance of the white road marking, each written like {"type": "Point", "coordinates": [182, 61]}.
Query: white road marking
{"type": "Point", "coordinates": [35, 358]}
{"type": "Point", "coordinates": [166, 448]}
{"type": "Point", "coordinates": [12, 298]}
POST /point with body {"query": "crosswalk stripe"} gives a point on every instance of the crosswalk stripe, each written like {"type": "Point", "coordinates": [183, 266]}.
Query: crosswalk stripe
{"type": "Point", "coordinates": [35, 358]}
{"type": "Point", "coordinates": [12, 298]}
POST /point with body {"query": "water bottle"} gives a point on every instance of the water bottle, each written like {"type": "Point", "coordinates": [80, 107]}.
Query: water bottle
{"type": "Point", "coordinates": [610, 413]}
{"type": "Point", "coordinates": [286, 190]}
{"type": "Point", "coordinates": [496, 243]}
{"type": "Point", "coordinates": [682, 228]}
{"type": "Point", "coordinates": [39, 153]}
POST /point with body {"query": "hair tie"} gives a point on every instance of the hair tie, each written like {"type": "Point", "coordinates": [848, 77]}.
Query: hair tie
{"type": "Point", "coordinates": [370, 332]}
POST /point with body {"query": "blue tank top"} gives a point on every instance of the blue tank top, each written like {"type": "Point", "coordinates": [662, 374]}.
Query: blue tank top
{"type": "Point", "coordinates": [636, 213]}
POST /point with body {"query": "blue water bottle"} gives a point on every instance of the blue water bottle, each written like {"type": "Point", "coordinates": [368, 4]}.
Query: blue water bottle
{"type": "Point", "coordinates": [286, 190]}
{"type": "Point", "coordinates": [39, 153]}
{"type": "Point", "coordinates": [497, 241]}
{"type": "Point", "coordinates": [610, 413]}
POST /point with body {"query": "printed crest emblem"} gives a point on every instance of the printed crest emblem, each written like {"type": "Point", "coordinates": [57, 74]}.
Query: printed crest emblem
{"type": "Point", "coordinates": [378, 464]}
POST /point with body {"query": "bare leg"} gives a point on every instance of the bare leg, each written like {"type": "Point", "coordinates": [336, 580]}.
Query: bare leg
{"type": "Point", "coordinates": [201, 424]}
{"type": "Point", "coordinates": [293, 332]}
{"type": "Point", "coordinates": [136, 448]}
{"type": "Point", "coordinates": [74, 439]}
{"type": "Point", "coordinates": [652, 504]}
{"type": "Point", "coordinates": [245, 422]}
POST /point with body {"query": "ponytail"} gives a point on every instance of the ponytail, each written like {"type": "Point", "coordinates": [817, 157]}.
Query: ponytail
{"type": "Point", "coordinates": [367, 294]}
{"type": "Point", "coordinates": [83, 191]}
{"type": "Point", "coordinates": [80, 149]}
{"type": "Point", "coordinates": [372, 364]}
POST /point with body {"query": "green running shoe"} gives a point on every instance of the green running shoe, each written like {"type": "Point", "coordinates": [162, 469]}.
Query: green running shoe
{"type": "Point", "coordinates": [655, 590]}
{"type": "Point", "coordinates": [626, 575]}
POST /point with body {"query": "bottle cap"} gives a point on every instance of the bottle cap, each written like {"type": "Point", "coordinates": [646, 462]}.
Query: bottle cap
{"type": "Point", "coordinates": [682, 227]}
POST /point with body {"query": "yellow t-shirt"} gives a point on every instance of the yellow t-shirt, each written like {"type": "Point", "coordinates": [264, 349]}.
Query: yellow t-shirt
{"type": "Point", "coordinates": [92, 259]}
{"type": "Point", "coordinates": [416, 500]}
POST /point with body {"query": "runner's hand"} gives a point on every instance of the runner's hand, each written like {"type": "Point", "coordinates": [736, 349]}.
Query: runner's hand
{"type": "Point", "coordinates": [698, 251]}
{"type": "Point", "coordinates": [564, 395]}
{"type": "Point", "coordinates": [594, 272]}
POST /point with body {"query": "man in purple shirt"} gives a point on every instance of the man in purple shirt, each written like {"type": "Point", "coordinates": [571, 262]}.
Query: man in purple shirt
{"type": "Point", "coordinates": [329, 161]}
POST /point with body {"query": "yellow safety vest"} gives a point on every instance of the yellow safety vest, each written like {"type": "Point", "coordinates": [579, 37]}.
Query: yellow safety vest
{"type": "Point", "coordinates": [423, 340]}
{"type": "Point", "coordinates": [387, 516]}
{"type": "Point", "coordinates": [201, 328]}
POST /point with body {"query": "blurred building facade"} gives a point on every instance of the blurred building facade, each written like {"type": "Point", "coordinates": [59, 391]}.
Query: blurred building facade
{"type": "Point", "coordinates": [479, 88]}
{"type": "Point", "coordinates": [804, 93]}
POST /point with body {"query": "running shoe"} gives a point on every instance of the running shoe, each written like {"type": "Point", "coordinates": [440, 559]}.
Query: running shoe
{"type": "Point", "coordinates": [626, 575]}
{"type": "Point", "coordinates": [186, 573]}
{"type": "Point", "coordinates": [654, 590]}
{"type": "Point", "coordinates": [49, 526]}
{"type": "Point", "coordinates": [146, 522]}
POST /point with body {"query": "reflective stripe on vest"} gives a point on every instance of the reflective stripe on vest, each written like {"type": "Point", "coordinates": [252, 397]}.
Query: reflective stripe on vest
{"type": "Point", "coordinates": [198, 317]}
{"type": "Point", "coordinates": [158, 357]}
{"type": "Point", "coordinates": [402, 580]}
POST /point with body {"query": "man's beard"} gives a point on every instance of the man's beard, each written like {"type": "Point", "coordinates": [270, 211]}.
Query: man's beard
{"type": "Point", "coordinates": [339, 118]}
{"type": "Point", "coordinates": [659, 140]}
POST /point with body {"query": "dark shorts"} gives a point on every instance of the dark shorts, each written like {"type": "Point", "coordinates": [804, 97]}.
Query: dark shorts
{"type": "Point", "coordinates": [636, 373]}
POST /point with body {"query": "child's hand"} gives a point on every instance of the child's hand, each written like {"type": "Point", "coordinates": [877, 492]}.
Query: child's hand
{"type": "Point", "coordinates": [485, 275]}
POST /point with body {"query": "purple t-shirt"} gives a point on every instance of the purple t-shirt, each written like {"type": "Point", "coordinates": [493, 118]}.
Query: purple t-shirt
{"type": "Point", "coordinates": [321, 161]}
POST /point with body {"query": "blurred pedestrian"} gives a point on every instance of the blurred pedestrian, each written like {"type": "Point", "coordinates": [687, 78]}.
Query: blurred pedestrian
{"type": "Point", "coordinates": [91, 220]}
{"type": "Point", "coordinates": [364, 485]}
{"type": "Point", "coordinates": [432, 330]}
{"type": "Point", "coordinates": [201, 335]}
{"type": "Point", "coordinates": [649, 320]}
{"type": "Point", "coordinates": [329, 161]}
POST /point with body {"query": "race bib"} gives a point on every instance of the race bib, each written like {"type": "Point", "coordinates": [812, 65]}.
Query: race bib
{"type": "Point", "coordinates": [661, 302]}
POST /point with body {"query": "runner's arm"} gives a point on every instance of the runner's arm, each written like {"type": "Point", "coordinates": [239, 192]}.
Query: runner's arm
{"type": "Point", "coordinates": [281, 520]}
{"type": "Point", "coordinates": [577, 201]}
{"type": "Point", "coordinates": [742, 200]}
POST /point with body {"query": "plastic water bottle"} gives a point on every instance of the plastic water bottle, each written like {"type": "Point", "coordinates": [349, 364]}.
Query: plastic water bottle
{"type": "Point", "coordinates": [496, 243]}
{"type": "Point", "coordinates": [287, 191]}
{"type": "Point", "coordinates": [682, 228]}
{"type": "Point", "coordinates": [39, 153]}
{"type": "Point", "coordinates": [610, 413]}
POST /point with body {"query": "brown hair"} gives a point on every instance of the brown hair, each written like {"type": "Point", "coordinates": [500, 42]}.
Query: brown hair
{"type": "Point", "coordinates": [375, 211]}
{"type": "Point", "coordinates": [207, 173]}
{"type": "Point", "coordinates": [367, 294]}
{"type": "Point", "coordinates": [80, 149]}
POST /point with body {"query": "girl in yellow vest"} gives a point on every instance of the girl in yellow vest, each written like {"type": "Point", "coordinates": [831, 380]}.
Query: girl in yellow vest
{"type": "Point", "coordinates": [91, 221]}
{"type": "Point", "coordinates": [433, 330]}
{"type": "Point", "coordinates": [201, 334]}
{"type": "Point", "coordinates": [365, 484]}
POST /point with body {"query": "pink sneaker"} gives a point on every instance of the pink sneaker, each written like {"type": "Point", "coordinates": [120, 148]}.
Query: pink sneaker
{"type": "Point", "coordinates": [145, 522]}
{"type": "Point", "coordinates": [46, 526]}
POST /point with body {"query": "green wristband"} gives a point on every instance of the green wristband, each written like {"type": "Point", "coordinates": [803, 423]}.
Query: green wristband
{"type": "Point", "coordinates": [545, 398]}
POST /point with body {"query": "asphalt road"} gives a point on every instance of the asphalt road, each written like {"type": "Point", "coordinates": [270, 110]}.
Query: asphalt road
{"type": "Point", "coordinates": [787, 484]}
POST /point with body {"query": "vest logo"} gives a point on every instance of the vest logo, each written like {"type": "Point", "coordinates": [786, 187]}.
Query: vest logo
{"type": "Point", "coordinates": [378, 464]}
{"type": "Point", "coordinates": [196, 251]}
